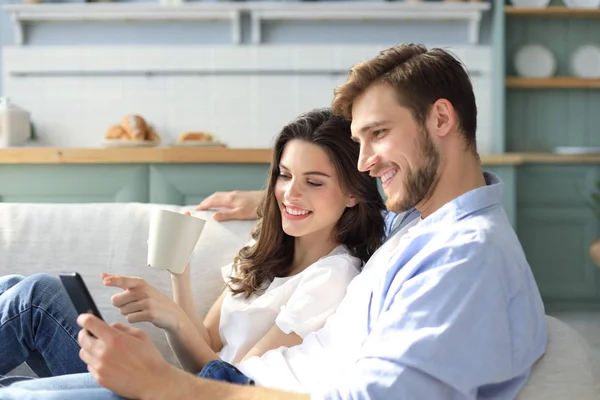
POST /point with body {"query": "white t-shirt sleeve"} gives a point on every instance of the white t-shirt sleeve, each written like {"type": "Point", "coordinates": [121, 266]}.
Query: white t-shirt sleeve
{"type": "Point", "coordinates": [321, 288]}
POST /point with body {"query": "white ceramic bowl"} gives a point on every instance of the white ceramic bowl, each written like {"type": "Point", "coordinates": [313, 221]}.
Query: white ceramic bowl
{"type": "Point", "coordinates": [535, 61]}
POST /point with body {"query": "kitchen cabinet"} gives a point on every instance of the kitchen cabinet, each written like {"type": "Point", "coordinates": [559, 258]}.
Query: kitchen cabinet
{"type": "Point", "coordinates": [556, 228]}
{"type": "Point", "coordinates": [90, 183]}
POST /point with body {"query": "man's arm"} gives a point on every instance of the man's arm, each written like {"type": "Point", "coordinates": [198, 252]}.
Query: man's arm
{"type": "Point", "coordinates": [239, 204]}
{"type": "Point", "coordinates": [124, 360]}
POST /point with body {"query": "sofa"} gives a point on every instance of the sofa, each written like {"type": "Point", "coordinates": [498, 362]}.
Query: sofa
{"type": "Point", "coordinates": [112, 237]}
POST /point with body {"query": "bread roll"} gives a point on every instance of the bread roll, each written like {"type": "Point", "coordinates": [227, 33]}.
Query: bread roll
{"type": "Point", "coordinates": [135, 126]}
{"type": "Point", "coordinates": [153, 136]}
{"type": "Point", "coordinates": [196, 136]}
{"type": "Point", "coordinates": [116, 132]}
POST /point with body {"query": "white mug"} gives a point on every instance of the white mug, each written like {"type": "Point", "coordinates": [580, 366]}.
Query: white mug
{"type": "Point", "coordinates": [172, 239]}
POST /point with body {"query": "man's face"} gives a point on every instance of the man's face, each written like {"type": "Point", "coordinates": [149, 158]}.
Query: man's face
{"type": "Point", "coordinates": [394, 148]}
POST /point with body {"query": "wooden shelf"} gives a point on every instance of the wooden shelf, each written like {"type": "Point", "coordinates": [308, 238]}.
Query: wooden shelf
{"type": "Point", "coordinates": [552, 83]}
{"type": "Point", "coordinates": [554, 11]}
{"type": "Point", "coordinates": [144, 155]}
{"type": "Point", "coordinates": [258, 12]}
{"type": "Point", "coordinates": [200, 155]}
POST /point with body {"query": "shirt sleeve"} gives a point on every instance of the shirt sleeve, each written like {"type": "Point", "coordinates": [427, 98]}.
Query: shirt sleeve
{"type": "Point", "coordinates": [451, 332]}
{"type": "Point", "coordinates": [321, 288]}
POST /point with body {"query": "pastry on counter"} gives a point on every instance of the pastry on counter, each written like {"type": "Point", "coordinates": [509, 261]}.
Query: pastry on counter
{"type": "Point", "coordinates": [135, 126]}
{"type": "Point", "coordinates": [152, 135]}
{"type": "Point", "coordinates": [196, 137]}
{"type": "Point", "coordinates": [133, 131]}
{"type": "Point", "coordinates": [116, 132]}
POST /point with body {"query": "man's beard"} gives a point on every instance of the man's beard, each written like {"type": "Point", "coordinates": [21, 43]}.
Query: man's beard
{"type": "Point", "coordinates": [421, 182]}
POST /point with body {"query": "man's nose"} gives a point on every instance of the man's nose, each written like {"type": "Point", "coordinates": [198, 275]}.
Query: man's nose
{"type": "Point", "coordinates": [366, 159]}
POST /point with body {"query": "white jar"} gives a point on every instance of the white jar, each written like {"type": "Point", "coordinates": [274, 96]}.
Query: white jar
{"type": "Point", "coordinates": [15, 127]}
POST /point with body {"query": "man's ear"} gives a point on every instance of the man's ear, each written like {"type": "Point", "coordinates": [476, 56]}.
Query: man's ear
{"type": "Point", "coordinates": [442, 117]}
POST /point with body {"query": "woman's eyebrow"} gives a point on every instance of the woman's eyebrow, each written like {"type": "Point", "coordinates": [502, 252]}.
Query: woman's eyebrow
{"type": "Point", "coordinates": [319, 173]}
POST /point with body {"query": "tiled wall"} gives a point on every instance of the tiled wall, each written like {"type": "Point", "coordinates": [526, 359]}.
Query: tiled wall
{"type": "Point", "coordinates": [241, 94]}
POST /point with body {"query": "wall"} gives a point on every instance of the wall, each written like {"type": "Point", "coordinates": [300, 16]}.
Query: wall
{"type": "Point", "coordinates": [180, 76]}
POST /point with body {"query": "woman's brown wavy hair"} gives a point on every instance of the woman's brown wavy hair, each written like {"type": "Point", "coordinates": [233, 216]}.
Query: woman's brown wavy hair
{"type": "Point", "coordinates": [360, 228]}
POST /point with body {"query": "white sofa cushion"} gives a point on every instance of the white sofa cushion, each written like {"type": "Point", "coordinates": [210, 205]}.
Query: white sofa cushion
{"type": "Point", "coordinates": [566, 371]}
{"type": "Point", "coordinates": [92, 238]}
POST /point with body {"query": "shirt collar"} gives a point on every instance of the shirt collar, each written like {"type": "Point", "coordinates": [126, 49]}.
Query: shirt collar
{"type": "Point", "coordinates": [465, 204]}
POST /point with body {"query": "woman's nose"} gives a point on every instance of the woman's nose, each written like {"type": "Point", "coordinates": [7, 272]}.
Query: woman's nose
{"type": "Point", "coordinates": [292, 191]}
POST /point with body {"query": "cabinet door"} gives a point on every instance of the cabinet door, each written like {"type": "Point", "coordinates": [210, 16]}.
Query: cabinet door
{"type": "Point", "coordinates": [556, 240]}
{"type": "Point", "coordinates": [189, 184]}
{"type": "Point", "coordinates": [72, 183]}
{"type": "Point", "coordinates": [556, 228]}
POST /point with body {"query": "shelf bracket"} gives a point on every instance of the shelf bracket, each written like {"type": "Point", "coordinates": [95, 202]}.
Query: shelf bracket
{"type": "Point", "coordinates": [236, 27]}
{"type": "Point", "coordinates": [474, 28]}
{"type": "Point", "coordinates": [18, 30]}
{"type": "Point", "coordinates": [256, 27]}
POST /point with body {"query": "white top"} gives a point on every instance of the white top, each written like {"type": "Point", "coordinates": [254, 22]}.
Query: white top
{"type": "Point", "coordinates": [322, 359]}
{"type": "Point", "coordinates": [300, 303]}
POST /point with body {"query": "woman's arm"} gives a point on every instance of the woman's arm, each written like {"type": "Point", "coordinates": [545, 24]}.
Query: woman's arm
{"type": "Point", "coordinates": [142, 302]}
{"type": "Point", "coordinates": [209, 328]}
{"type": "Point", "coordinates": [273, 339]}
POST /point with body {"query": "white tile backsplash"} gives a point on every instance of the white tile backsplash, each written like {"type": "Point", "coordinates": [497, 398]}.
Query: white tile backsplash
{"type": "Point", "coordinates": [242, 94]}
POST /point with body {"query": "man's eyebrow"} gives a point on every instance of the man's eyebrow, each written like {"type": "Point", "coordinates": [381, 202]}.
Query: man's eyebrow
{"type": "Point", "coordinates": [319, 173]}
{"type": "Point", "coordinates": [372, 125]}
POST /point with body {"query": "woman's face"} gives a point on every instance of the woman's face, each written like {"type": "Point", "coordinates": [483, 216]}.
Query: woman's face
{"type": "Point", "coordinates": [308, 191]}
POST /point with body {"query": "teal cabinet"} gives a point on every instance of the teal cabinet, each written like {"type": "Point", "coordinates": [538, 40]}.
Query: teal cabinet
{"type": "Point", "coordinates": [189, 184]}
{"type": "Point", "coordinates": [87, 183]}
{"type": "Point", "coordinates": [556, 228]}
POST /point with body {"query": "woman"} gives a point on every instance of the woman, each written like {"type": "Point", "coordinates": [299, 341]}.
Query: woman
{"type": "Point", "coordinates": [320, 220]}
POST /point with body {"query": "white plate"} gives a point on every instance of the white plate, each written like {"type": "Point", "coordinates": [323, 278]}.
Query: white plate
{"type": "Point", "coordinates": [585, 61]}
{"type": "Point", "coordinates": [530, 3]}
{"type": "Point", "coordinates": [582, 3]}
{"type": "Point", "coordinates": [577, 150]}
{"type": "Point", "coordinates": [535, 61]}
{"type": "Point", "coordinates": [129, 143]}
{"type": "Point", "coordinates": [197, 143]}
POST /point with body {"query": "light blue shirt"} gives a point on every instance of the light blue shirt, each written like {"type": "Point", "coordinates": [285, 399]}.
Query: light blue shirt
{"type": "Point", "coordinates": [457, 316]}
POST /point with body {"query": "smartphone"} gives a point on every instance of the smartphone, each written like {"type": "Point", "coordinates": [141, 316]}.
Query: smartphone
{"type": "Point", "coordinates": [79, 293]}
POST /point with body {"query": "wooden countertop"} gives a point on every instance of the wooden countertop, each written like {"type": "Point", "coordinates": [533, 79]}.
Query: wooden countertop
{"type": "Point", "coordinates": [41, 155]}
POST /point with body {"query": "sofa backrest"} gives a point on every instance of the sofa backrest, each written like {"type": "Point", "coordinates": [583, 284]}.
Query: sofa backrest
{"type": "Point", "coordinates": [567, 371]}
{"type": "Point", "coordinates": [95, 238]}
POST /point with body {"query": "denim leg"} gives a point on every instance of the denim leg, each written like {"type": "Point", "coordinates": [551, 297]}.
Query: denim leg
{"type": "Point", "coordinates": [72, 394]}
{"type": "Point", "coordinates": [223, 371]}
{"type": "Point", "coordinates": [67, 387]}
{"type": "Point", "coordinates": [73, 381]}
{"type": "Point", "coordinates": [38, 326]}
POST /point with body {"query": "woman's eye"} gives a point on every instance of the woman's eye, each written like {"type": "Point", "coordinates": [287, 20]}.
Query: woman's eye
{"type": "Point", "coordinates": [315, 184]}
{"type": "Point", "coordinates": [284, 176]}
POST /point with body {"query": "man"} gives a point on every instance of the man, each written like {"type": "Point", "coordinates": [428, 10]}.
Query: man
{"type": "Point", "coordinates": [446, 309]}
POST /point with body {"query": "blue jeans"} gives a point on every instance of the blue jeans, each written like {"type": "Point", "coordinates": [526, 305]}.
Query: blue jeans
{"type": "Point", "coordinates": [38, 326]}
{"type": "Point", "coordinates": [83, 386]}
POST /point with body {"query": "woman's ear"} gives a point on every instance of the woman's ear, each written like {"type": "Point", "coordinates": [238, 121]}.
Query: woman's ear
{"type": "Point", "coordinates": [351, 202]}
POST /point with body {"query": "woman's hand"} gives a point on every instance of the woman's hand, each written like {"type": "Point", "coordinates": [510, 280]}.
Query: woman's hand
{"type": "Point", "coordinates": [142, 302]}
